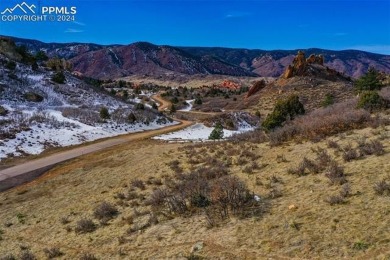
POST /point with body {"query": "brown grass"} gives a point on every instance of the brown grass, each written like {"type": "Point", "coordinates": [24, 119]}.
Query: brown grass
{"type": "Point", "coordinates": [311, 229]}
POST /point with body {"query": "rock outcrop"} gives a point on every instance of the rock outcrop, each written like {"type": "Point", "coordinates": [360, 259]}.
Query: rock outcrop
{"type": "Point", "coordinates": [259, 85]}
{"type": "Point", "coordinates": [300, 64]}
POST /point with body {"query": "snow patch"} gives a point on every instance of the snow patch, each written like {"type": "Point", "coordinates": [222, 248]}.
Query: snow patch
{"type": "Point", "coordinates": [197, 132]}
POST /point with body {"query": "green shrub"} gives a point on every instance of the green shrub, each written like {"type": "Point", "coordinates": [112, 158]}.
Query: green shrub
{"type": "Point", "coordinates": [328, 100]}
{"type": "Point", "coordinates": [284, 110]}
{"type": "Point", "coordinates": [3, 111]}
{"type": "Point", "coordinates": [217, 132]}
{"type": "Point", "coordinates": [58, 77]}
{"type": "Point", "coordinates": [140, 106]}
{"type": "Point", "coordinates": [104, 114]}
{"type": "Point", "coordinates": [11, 65]}
{"type": "Point", "coordinates": [370, 100]}
{"type": "Point", "coordinates": [198, 101]}
{"type": "Point", "coordinates": [174, 100]}
{"type": "Point", "coordinates": [369, 81]}
{"type": "Point", "coordinates": [33, 97]}
{"type": "Point", "coordinates": [41, 56]}
{"type": "Point", "coordinates": [131, 118]}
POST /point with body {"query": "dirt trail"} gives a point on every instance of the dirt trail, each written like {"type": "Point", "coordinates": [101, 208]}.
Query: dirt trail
{"type": "Point", "coordinates": [164, 104]}
{"type": "Point", "coordinates": [27, 171]}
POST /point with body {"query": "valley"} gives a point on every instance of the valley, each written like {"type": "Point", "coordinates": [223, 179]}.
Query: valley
{"type": "Point", "coordinates": [192, 153]}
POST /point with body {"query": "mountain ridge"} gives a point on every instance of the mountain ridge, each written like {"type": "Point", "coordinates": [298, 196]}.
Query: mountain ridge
{"type": "Point", "coordinates": [199, 60]}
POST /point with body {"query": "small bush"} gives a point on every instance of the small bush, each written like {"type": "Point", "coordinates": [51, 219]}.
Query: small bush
{"type": "Point", "coordinates": [85, 226]}
{"type": "Point", "coordinates": [58, 77]}
{"type": "Point", "coordinates": [349, 153]}
{"type": "Point", "coordinates": [360, 245]}
{"type": "Point", "coordinates": [104, 114]}
{"type": "Point", "coordinates": [328, 100]}
{"type": "Point", "coordinates": [105, 211]}
{"type": "Point", "coordinates": [88, 256]}
{"type": "Point", "coordinates": [52, 252]}
{"type": "Point", "coordinates": [3, 111]}
{"type": "Point", "coordinates": [371, 101]}
{"type": "Point", "coordinates": [335, 199]}
{"type": "Point", "coordinates": [11, 65]}
{"type": "Point", "coordinates": [8, 257]}
{"type": "Point", "coordinates": [335, 173]}
{"type": "Point", "coordinates": [138, 184]}
{"type": "Point", "coordinates": [139, 106]}
{"type": "Point", "coordinates": [27, 255]}
{"type": "Point", "coordinates": [382, 188]}
{"type": "Point", "coordinates": [285, 109]}
{"type": "Point", "coordinates": [333, 144]}
{"type": "Point", "coordinates": [198, 101]}
{"type": "Point", "coordinates": [373, 147]}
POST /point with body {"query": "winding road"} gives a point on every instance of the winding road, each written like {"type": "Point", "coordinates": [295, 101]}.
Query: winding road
{"type": "Point", "coordinates": [25, 172]}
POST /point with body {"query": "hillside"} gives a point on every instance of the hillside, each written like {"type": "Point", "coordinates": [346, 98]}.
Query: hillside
{"type": "Point", "coordinates": [314, 187]}
{"type": "Point", "coordinates": [40, 108]}
{"type": "Point", "coordinates": [152, 60]}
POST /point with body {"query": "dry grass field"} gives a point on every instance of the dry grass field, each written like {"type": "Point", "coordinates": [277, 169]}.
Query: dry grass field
{"type": "Point", "coordinates": [300, 219]}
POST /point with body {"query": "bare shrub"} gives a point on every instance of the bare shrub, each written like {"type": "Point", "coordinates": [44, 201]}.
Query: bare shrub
{"type": "Point", "coordinates": [85, 226]}
{"type": "Point", "coordinates": [335, 199]}
{"type": "Point", "coordinates": [53, 252]}
{"type": "Point", "coordinates": [230, 195]}
{"type": "Point", "coordinates": [306, 164]}
{"type": "Point", "coordinates": [88, 256]}
{"type": "Point", "coordinates": [138, 184]}
{"type": "Point", "coordinates": [349, 153]}
{"type": "Point", "coordinates": [323, 122]}
{"type": "Point", "coordinates": [105, 211]}
{"type": "Point", "coordinates": [255, 136]}
{"type": "Point", "coordinates": [8, 257]}
{"type": "Point", "coordinates": [65, 220]}
{"type": "Point", "coordinates": [241, 161]}
{"type": "Point", "coordinates": [175, 166]}
{"type": "Point", "coordinates": [382, 188]}
{"type": "Point", "coordinates": [281, 158]}
{"type": "Point", "coordinates": [335, 173]}
{"type": "Point", "coordinates": [27, 255]}
{"type": "Point", "coordinates": [333, 144]}
{"type": "Point", "coordinates": [345, 190]}
{"type": "Point", "coordinates": [83, 115]}
{"type": "Point", "coordinates": [373, 147]}
{"type": "Point", "coordinates": [323, 158]}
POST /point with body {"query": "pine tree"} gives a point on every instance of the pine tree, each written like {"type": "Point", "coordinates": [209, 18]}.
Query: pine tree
{"type": "Point", "coordinates": [217, 132]}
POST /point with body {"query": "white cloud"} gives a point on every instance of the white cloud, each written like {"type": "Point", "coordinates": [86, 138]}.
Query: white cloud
{"type": "Point", "coordinates": [79, 23]}
{"type": "Point", "coordinates": [70, 30]}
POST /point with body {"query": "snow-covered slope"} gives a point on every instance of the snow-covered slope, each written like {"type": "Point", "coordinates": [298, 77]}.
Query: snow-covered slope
{"type": "Point", "coordinates": [40, 113]}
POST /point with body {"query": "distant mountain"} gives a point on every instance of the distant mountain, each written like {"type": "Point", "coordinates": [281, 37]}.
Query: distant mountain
{"type": "Point", "coordinates": [146, 59]}
{"type": "Point", "coordinates": [352, 63]}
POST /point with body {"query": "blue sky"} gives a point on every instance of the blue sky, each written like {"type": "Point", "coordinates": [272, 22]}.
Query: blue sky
{"type": "Point", "coordinates": [276, 24]}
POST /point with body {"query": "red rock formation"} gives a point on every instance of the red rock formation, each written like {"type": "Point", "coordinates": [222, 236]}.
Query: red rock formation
{"type": "Point", "coordinates": [259, 85]}
{"type": "Point", "coordinates": [229, 85]}
{"type": "Point", "coordinates": [300, 64]}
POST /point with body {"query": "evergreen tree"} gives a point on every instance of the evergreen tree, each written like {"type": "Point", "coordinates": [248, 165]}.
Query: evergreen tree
{"type": "Point", "coordinates": [369, 81]}
{"type": "Point", "coordinates": [283, 110]}
{"type": "Point", "coordinates": [104, 114]}
{"type": "Point", "coordinates": [217, 132]}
